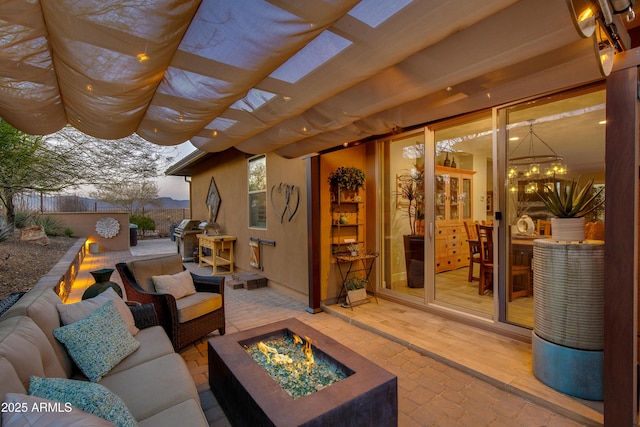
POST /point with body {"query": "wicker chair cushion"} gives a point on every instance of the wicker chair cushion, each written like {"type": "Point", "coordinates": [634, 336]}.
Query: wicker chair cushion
{"type": "Point", "coordinates": [71, 313]}
{"type": "Point", "coordinates": [179, 285]}
{"type": "Point", "coordinates": [196, 305]}
{"type": "Point", "coordinates": [143, 270]}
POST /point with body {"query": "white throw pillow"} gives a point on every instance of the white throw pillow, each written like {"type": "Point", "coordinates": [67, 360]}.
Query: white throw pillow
{"type": "Point", "coordinates": [179, 285]}
{"type": "Point", "coordinates": [71, 313]}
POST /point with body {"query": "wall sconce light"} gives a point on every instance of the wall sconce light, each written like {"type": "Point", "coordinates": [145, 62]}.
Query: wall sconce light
{"type": "Point", "coordinates": [598, 19]}
{"type": "Point", "coordinates": [584, 16]}
{"type": "Point", "coordinates": [604, 50]}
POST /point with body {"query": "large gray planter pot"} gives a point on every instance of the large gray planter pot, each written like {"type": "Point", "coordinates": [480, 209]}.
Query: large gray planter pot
{"type": "Point", "coordinates": [568, 316]}
{"type": "Point", "coordinates": [568, 302]}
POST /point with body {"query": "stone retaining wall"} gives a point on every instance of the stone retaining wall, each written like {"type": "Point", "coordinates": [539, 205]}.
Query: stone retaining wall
{"type": "Point", "coordinates": [62, 275]}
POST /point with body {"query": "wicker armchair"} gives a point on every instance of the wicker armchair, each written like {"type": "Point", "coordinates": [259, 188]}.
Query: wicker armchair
{"type": "Point", "coordinates": [176, 316]}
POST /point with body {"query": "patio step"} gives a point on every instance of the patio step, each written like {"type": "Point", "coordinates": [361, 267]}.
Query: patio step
{"type": "Point", "coordinates": [234, 284]}
{"type": "Point", "coordinates": [251, 280]}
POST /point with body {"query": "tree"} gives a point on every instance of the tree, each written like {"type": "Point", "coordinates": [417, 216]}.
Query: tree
{"type": "Point", "coordinates": [70, 159]}
{"type": "Point", "coordinates": [129, 195]}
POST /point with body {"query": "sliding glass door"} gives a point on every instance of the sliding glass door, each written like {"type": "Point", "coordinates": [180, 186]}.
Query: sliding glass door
{"type": "Point", "coordinates": [459, 209]}
{"type": "Point", "coordinates": [462, 183]}
{"type": "Point", "coordinates": [548, 141]}
{"type": "Point", "coordinates": [402, 226]}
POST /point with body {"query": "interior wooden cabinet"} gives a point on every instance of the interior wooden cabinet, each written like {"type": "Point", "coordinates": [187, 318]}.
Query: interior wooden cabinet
{"type": "Point", "coordinates": [453, 206]}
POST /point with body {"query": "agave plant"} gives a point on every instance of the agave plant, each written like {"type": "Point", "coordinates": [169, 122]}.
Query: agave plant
{"type": "Point", "coordinates": [571, 200]}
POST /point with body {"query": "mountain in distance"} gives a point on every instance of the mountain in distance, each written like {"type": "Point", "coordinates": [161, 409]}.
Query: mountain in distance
{"type": "Point", "coordinates": [168, 203]}
{"type": "Point", "coordinates": [159, 203]}
{"type": "Point", "coordinates": [81, 204]}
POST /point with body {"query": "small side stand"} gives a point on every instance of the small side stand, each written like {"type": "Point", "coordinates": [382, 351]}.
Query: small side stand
{"type": "Point", "coordinates": [348, 265]}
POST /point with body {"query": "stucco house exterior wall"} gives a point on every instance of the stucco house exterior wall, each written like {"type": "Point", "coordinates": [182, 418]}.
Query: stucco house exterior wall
{"type": "Point", "coordinates": [285, 264]}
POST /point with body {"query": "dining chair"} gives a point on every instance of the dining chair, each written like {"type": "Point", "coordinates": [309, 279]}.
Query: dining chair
{"type": "Point", "coordinates": [474, 248]}
{"type": "Point", "coordinates": [543, 227]}
{"type": "Point", "coordinates": [485, 236]}
{"type": "Point", "coordinates": [594, 231]}
{"type": "Point", "coordinates": [485, 239]}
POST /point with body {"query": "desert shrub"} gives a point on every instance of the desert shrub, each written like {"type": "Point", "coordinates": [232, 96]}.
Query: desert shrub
{"type": "Point", "coordinates": [52, 226]}
{"type": "Point", "coordinates": [143, 222]}
{"type": "Point", "coordinates": [24, 219]}
{"type": "Point", "coordinates": [68, 232]}
{"type": "Point", "coordinates": [6, 230]}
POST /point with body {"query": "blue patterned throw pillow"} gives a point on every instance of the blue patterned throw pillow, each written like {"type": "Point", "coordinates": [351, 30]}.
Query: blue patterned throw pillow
{"type": "Point", "coordinates": [98, 342]}
{"type": "Point", "coordinates": [90, 397]}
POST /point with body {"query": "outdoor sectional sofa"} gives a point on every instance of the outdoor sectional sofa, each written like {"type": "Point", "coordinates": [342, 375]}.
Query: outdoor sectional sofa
{"type": "Point", "coordinates": [153, 382]}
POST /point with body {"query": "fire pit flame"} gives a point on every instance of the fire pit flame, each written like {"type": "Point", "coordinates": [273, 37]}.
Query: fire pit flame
{"type": "Point", "coordinates": [285, 360]}
{"type": "Point", "coordinates": [308, 352]}
{"type": "Point", "coordinates": [278, 359]}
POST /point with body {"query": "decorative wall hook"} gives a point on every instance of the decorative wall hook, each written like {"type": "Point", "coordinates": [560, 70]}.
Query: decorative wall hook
{"type": "Point", "coordinates": [291, 202]}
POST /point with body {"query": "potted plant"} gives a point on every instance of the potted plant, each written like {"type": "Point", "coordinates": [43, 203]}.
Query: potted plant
{"type": "Point", "coordinates": [356, 289]}
{"type": "Point", "coordinates": [353, 249]}
{"type": "Point", "coordinates": [411, 191]}
{"type": "Point", "coordinates": [346, 182]}
{"type": "Point", "coordinates": [569, 202]}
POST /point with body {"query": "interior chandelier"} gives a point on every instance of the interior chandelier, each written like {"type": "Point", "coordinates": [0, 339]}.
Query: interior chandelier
{"type": "Point", "coordinates": [543, 163]}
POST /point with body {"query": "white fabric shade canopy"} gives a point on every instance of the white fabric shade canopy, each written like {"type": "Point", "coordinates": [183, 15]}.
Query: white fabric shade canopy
{"type": "Point", "coordinates": [288, 76]}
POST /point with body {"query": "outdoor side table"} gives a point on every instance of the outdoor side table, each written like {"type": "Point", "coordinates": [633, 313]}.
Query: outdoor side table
{"type": "Point", "coordinates": [349, 265]}
{"type": "Point", "coordinates": [221, 252]}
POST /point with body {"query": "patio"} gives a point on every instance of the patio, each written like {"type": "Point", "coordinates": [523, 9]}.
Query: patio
{"type": "Point", "coordinates": [449, 373]}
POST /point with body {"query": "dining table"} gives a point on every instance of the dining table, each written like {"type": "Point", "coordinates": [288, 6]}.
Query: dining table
{"type": "Point", "coordinates": [522, 255]}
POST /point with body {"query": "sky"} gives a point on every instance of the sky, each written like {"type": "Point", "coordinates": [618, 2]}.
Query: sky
{"type": "Point", "coordinates": [175, 186]}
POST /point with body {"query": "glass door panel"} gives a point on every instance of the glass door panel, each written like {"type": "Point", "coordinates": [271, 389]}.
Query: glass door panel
{"type": "Point", "coordinates": [440, 198]}
{"type": "Point", "coordinates": [459, 197]}
{"type": "Point", "coordinates": [465, 198]}
{"type": "Point", "coordinates": [555, 139]}
{"type": "Point", "coordinates": [402, 251]}
{"type": "Point", "coordinates": [454, 197]}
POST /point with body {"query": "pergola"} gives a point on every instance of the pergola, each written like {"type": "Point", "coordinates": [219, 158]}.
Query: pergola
{"type": "Point", "coordinates": [291, 77]}
{"type": "Point", "coordinates": [296, 77]}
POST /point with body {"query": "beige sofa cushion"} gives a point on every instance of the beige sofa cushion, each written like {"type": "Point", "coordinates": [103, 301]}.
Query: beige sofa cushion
{"type": "Point", "coordinates": [25, 346]}
{"type": "Point", "coordinates": [195, 305]}
{"type": "Point", "coordinates": [40, 305]}
{"type": "Point", "coordinates": [152, 387]}
{"type": "Point", "coordinates": [66, 416]}
{"type": "Point", "coordinates": [187, 413]}
{"type": "Point", "coordinates": [154, 343]}
{"type": "Point", "coordinates": [10, 382]}
{"type": "Point", "coordinates": [144, 269]}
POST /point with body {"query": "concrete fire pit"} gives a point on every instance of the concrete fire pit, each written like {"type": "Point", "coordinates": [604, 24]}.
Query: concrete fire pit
{"type": "Point", "coordinates": [250, 397]}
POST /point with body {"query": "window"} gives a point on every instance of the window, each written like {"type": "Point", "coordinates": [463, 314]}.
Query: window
{"type": "Point", "coordinates": [258, 192]}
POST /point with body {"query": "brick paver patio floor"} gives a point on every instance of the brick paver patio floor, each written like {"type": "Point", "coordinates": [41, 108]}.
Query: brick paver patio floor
{"type": "Point", "coordinates": [430, 392]}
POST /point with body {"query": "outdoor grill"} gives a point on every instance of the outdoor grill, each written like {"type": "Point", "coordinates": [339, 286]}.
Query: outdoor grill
{"type": "Point", "coordinates": [186, 240]}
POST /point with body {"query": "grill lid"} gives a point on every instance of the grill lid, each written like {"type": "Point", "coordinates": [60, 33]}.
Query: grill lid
{"type": "Point", "coordinates": [187, 225]}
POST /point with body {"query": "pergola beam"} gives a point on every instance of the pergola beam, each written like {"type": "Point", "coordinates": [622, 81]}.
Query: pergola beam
{"type": "Point", "coordinates": [621, 249]}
